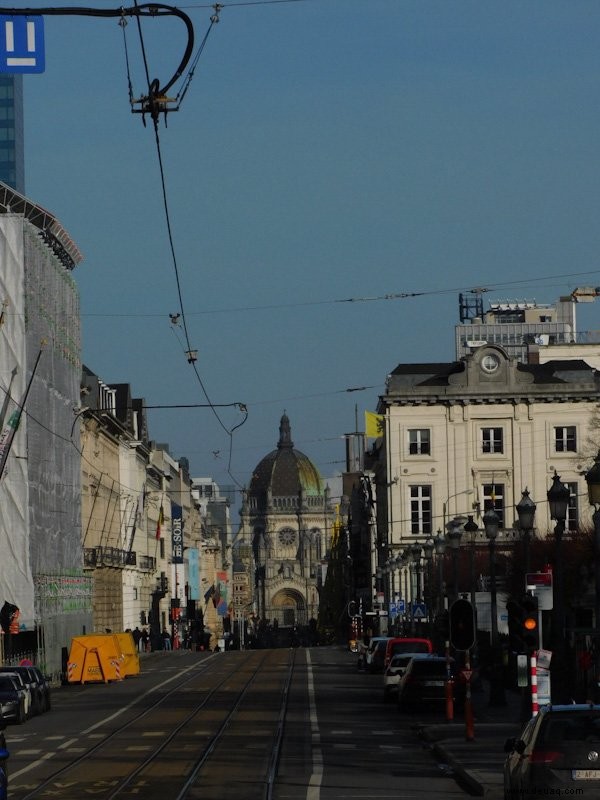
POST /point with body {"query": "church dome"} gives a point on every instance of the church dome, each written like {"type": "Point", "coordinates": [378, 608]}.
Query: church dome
{"type": "Point", "coordinates": [285, 471]}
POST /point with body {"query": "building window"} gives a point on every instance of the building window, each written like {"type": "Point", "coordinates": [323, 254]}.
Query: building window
{"type": "Point", "coordinates": [492, 440]}
{"type": "Point", "coordinates": [565, 439]}
{"type": "Point", "coordinates": [420, 509]}
{"type": "Point", "coordinates": [493, 498]}
{"type": "Point", "coordinates": [419, 442]}
{"type": "Point", "coordinates": [572, 520]}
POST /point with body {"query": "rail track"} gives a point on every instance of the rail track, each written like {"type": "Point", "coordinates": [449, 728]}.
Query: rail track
{"type": "Point", "coordinates": [216, 732]}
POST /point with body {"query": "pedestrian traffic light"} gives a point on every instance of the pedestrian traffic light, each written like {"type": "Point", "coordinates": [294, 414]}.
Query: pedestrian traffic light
{"type": "Point", "coordinates": [529, 623]}
{"type": "Point", "coordinates": [462, 625]}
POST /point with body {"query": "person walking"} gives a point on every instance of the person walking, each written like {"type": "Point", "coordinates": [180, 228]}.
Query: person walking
{"type": "Point", "coordinates": [166, 637]}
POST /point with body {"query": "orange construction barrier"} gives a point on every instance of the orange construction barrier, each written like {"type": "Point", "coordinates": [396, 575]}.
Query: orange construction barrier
{"type": "Point", "coordinates": [102, 657]}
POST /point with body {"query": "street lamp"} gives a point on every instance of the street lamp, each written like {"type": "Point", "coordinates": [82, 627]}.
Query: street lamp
{"type": "Point", "coordinates": [558, 501]}
{"type": "Point", "coordinates": [491, 523]}
{"type": "Point", "coordinates": [454, 536]}
{"type": "Point", "coordinates": [471, 528]}
{"type": "Point", "coordinates": [439, 544]}
{"type": "Point", "coordinates": [526, 513]}
{"type": "Point", "coordinates": [428, 548]}
{"type": "Point", "coordinates": [593, 481]}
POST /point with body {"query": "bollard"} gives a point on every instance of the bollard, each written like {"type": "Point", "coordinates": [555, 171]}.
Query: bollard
{"type": "Point", "coordinates": [449, 687]}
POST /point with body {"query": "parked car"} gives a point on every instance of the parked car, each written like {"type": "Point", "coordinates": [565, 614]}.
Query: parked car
{"type": "Point", "coordinates": [22, 684]}
{"type": "Point", "coordinates": [424, 682]}
{"type": "Point", "coordinates": [394, 672]}
{"type": "Point", "coordinates": [558, 752]}
{"type": "Point", "coordinates": [365, 655]}
{"type": "Point", "coordinates": [37, 685]}
{"type": "Point", "coordinates": [376, 655]}
{"type": "Point", "coordinates": [12, 699]}
{"type": "Point", "coordinates": [44, 688]}
{"type": "Point", "coordinates": [406, 644]}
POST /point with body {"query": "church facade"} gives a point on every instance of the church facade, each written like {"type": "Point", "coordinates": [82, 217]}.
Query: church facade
{"type": "Point", "coordinates": [284, 536]}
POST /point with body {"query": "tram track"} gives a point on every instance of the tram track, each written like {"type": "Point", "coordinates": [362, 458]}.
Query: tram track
{"type": "Point", "coordinates": [166, 749]}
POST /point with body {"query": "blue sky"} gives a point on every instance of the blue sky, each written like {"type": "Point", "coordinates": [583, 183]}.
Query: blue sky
{"type": "Point", "coordinates": [325, 150]}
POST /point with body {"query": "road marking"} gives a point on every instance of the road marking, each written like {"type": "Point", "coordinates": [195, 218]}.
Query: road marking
{"type": "Point", "coordinates": [90, 730]}
{"type": "Point", "coordinates": [313, 791]}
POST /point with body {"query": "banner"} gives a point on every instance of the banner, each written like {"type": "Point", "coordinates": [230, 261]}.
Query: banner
{"type": "Point", "coordinates": [176, 534]}
{"type": "Point", "coordinates": [193, 574]}
{"type": "Point", "coordinates": [221, 593]}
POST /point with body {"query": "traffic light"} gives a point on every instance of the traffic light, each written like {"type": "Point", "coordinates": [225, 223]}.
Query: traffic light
{"type": "Point", "coordinates": [530, 623]}
{"type": "Point", "coordinates": [515, 626]}
{"type": "Point", "coordinates": [462, 625]}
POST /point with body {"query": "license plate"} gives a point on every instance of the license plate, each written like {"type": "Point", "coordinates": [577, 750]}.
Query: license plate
{"type": "Point", "coordinates": [586, 774]}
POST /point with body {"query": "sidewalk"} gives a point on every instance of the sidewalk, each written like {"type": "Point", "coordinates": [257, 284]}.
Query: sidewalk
{"type": "Point", "coordinates": [477, 764]}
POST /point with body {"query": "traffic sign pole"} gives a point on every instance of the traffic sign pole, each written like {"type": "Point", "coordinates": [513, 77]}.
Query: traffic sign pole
{"type": "Point", "coordinates": [469, 721]}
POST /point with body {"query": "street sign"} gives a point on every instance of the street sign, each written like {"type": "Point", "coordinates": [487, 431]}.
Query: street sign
{"type": "Point", "coordinates": [540, 583]}
{"type": "Point", "coordinates": [22, 44]}
{"type": "Point", "coordinates": [466, 674]}
{"type": "Point", "coordinates": [419, 611]}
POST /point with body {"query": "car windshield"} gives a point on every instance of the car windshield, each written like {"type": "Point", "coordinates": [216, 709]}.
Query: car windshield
{"type": "Point", "coordinates": [564, 727]}
{"type": "Point", "coordinates": [410, 647]}
{"type": "Point", "coordinates": [6, 683]}
{"type": "Point", "coordinates": [400, 661]}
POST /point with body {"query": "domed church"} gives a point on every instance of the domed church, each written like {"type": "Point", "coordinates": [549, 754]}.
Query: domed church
{"type": "Point", "coordinates": [285, 532]}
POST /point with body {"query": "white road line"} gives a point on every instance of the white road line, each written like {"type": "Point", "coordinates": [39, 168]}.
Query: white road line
{"type": "Point", "coordinates": [90, 730]}
{"type": "Point", "coordinates": [313, 791]}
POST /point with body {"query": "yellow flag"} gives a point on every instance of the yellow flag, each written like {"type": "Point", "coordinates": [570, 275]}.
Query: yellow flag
{"type": "Point", "coordinates": [374, 424]}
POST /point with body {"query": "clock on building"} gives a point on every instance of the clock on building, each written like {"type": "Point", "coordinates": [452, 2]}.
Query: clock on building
{"type": "Point", "coordinates": [490, 363]}
{"type": "Point", "coordinates": [287, 536]}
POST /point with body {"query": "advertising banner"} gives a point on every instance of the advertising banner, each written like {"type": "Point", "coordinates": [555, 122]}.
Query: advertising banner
{"type": "Point", "coordinates": [177, 533]}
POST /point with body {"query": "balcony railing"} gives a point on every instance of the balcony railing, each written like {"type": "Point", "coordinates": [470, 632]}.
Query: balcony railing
{"type": "Point", "coordinates": [114, 557]}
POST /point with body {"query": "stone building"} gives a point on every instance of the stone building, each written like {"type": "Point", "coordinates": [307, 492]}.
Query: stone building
{"type": "Point", "coordinates": [285, 530]}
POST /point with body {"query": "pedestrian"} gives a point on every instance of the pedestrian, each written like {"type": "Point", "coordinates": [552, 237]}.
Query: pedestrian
{"type": "Point", "coordinates": [137, 635]}
{"type": "Point", "coordinates": [166, 638]}
{"type": "Point", "coordinates": [144, 641]}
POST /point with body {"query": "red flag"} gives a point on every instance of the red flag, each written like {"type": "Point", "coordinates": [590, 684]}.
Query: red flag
{"type": "Point", "coordinates": [161, 519]}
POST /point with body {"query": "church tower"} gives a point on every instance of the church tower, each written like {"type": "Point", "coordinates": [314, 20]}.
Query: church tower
{"type": "Point", "coordinates": [285, 533]}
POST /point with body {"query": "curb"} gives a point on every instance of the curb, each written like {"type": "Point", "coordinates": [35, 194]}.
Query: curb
{"type": "Point", "coordinates": [442, 756]}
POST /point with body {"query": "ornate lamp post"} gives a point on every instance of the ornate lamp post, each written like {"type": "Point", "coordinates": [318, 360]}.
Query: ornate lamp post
{"type": "Point", "coordinates": [454, 536]}
{"type": "Point", "coordinates": [526, 513]}
{"type": "Point", "coordinates": [558, 501]}
{"type": "Point", "coordinates": [428, 548]}
{"type": "Point", "coordinates": [593, 481]}
{"type": "Point", "coordinates": [491, 523]}
{"type": "Point", "coordinates": [439, 544]}
{"type": "Point", "coordinates": [471, 529]}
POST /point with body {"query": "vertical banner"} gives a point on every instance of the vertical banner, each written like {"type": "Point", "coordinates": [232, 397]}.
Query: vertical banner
{"type": "Point", "coordinates": [193, 574]}
{"type": "Point", "coordinates": [222, 593]}
{"type": "Point", "coordinates": [176, 534]}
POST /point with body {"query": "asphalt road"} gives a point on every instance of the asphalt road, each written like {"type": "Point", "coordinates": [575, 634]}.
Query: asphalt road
{"type": "Point", "coordinates": [340, 740]}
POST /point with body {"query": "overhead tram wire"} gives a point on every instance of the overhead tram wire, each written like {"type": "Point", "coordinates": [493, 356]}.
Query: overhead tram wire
{"type": "Point", "coordinates": [487, 288]}
{"type": "Point", "coordinates": [155, 116]}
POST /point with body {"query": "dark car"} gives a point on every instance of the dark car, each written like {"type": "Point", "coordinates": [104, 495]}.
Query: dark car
{"type": "Point", "coordinates": [12, 699]}
{"type": "Point", "coordinates": [37, 684]}
{"type": "Point", "coordinates": [424, 682]}
{"type": "Point", "coordinates": [32, 684]}
{"type": "Point", "coordinates": [376, 662]}
{"type": "Point", "coordinates": [558, 752]}
{"type": "Point", "coordinates": [43, 688]}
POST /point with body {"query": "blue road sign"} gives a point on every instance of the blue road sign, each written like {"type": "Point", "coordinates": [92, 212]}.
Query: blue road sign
{"type": "Point", "coordinates": [397, 608]}
{"type": "Point", "coordinates": [419, 611]}
{"type": "Point", "coordinates": [22, 44]}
